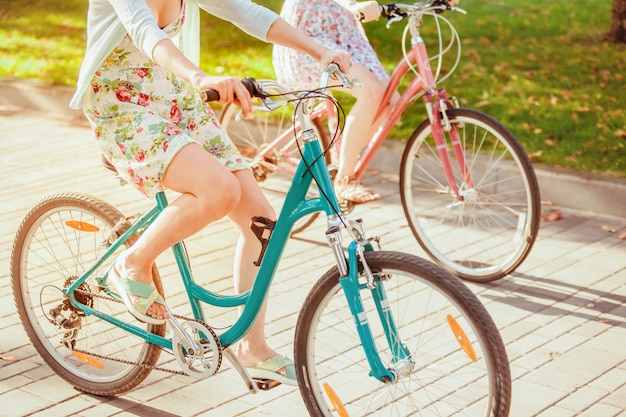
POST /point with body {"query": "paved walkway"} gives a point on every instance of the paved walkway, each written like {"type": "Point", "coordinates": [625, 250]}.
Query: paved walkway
{"type": "Point", "coordinates": [561, 315]}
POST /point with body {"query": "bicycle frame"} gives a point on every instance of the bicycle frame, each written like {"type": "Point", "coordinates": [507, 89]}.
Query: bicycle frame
{"type": "Point", "coordinates": [296, 206]}
{"type": "Point", "coordinates": [436, 101]}
{"type": "Point", "coordinates": [285, 141]}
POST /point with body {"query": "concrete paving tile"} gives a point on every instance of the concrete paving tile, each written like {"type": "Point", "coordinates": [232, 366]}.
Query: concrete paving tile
{"type": "Point", "coordinates": [18, 403]}
{"type": "Point", "coordinates": [603, 410]}
{"type": "Point", "coordinates": [617, 398]}
{"type": "Point", "coordinates": [611, 380]}
{"type": "Point", "coordinates": [582, 399]}
{"type": "Point", "coordinates": [590, 358]}
{"type": "Point", "coordinates": [68, 407]}
{"type": "Point", "coordinates": [101, 410]}
{"type": "Point", "coordinates": [17, 368]}
{"type": "Point", "coordinates": [557, 373]}
{"type": "Point", "coordinates": [14, 382]}
{"type": "Point", "coordinates": [556, 411]}
{"type": "Point", "coordinates": [530, 399]}
{"type": "Point", "coordinates": [529, 361]}
{"type": "Point", "coordinates": [62, 389]}
{"type": "Point", "coordinates": [590, 329]}
{"type": "Point", "coordinates": [563, 343]}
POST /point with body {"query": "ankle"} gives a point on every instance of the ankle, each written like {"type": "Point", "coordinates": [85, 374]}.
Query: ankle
{"type": "Point", "coordinates": [132, 266]}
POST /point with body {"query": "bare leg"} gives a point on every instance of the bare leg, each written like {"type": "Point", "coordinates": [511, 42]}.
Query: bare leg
{"type": "Point", "coordinates": [189, 173]}
{"type": "Point", "coordinates": [360, 119]}
{"type": "Point", "coordinates": [252, 348]}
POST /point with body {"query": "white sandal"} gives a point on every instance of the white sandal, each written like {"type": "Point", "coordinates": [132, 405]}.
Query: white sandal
{"type": "Point", "coordinates": [351, 190]}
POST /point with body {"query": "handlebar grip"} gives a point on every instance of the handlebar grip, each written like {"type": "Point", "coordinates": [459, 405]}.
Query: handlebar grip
{"type": "Point", "coordinates": [249, 83]}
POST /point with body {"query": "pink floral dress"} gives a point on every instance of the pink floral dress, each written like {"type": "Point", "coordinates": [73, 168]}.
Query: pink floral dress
{"type": "Point", "coordinates": [142, 115]}
{"type": "Point", "coordinates": [333, 26]}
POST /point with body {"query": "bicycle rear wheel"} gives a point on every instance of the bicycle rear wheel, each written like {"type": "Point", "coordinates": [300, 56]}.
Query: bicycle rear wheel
{"type": "Point", "coordinates": [256, 138]}
{"type": "Point", "coordinates": [490, 230]}
{"type": "Point", "coordinates": [58, 240]}
{"type": "Point", "coordinates": [457, 366]}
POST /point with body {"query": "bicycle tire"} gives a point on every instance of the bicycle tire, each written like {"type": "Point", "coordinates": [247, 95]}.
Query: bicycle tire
{"type": "Point", "coordinates": [444, 379]}
{"type": "Point", "coordinates": [255, 133]}
{"type": "Point", "coordinates": [59, 238]}
{"type": "Point", "coordinates": [492, 230]}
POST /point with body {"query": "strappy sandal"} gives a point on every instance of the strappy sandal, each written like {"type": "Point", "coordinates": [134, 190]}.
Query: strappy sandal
{"type": "Point", "coordinates": [351, 190]}
{"type": "Point", "coordinates": [270, 369]}
{"type": "Point", "coordinates": [146, 294]}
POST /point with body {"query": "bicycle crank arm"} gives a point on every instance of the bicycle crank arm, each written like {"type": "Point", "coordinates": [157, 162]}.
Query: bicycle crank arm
{"type": "Point", "coordinates": [182, 335]}
{"type": "Point", "coordinates": [241, 369]}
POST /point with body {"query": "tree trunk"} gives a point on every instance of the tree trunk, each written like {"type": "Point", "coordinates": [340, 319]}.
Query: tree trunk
{"type": "Point", "coordinates": [618, 21]}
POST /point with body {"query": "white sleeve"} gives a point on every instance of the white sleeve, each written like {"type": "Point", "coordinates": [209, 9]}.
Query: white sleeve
{"type": "Point", "coordinates": [250, 17]}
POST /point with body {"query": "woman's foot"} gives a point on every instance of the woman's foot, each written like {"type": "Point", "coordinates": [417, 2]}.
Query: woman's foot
{"type": "Point", "coordinates": [349, 189]}
{"type": "Point", "coordinates": [263, 362]}
{"type": "Point", "coordinates": [139, 294]}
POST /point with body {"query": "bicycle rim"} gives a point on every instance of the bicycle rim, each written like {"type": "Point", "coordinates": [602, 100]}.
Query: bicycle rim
{"type": "Point", "coordinates": [458, 364]}
{"type": "Point", "coordinates": [490, 230]}
{"type": "Point", "coordinates": [255, 133]}
{"type": "Point", "coordinates": [56, 242]}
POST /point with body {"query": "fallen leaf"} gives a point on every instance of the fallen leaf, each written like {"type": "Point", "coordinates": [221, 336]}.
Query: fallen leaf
{"type": "Point", "coordinates": [8, 358]}
{"type": "Point", "coordinates": [622, 236]}
{"type": "Point", "coordinates": [535, 155]}
{"type": "Point", "coordinates": [552, 217]}
{"type": "Point", "coordinates": [608, 228]}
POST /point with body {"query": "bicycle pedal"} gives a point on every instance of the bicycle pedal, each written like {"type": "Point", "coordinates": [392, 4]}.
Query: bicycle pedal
{"type": "Point", "coordinates": [265, 384]}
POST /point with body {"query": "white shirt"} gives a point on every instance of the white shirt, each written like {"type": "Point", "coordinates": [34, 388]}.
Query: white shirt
{"type": "Point", "coordinates": [108, 21]}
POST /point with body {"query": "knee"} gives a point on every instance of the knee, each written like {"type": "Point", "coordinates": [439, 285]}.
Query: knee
{"type": "Point", "coordinates": [371, 92]}
{"type": "Point", "coordinates": [220, 196]}
{"type": "Point", "coordinates": [377, 89]}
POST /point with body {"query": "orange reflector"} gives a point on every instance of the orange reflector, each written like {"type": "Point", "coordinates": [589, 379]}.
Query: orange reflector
{"type": "Point", "coordinates": [461, 338]}
{"type": "Point", "coordinates": [334, 399]}
{"type": "Point", "coordinates": [89, 360]}
{"type": "Point", "coordinates": [82, 226]}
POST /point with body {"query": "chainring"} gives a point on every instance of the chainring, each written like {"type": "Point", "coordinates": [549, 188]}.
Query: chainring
{"type": "Point", "coordinates": [205, 362]}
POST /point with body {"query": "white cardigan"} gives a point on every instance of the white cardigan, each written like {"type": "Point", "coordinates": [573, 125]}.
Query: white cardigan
{"type": "Point", "coordinates": [108, 21]}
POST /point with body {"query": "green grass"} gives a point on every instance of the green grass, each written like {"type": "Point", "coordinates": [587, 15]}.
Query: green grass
{"type": "Point", "coordinates": [544, 69]}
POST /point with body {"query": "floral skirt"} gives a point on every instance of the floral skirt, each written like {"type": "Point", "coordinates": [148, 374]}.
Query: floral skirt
{"type": "Point", "coordinates": [142, 115]}
{"type": "Point", "coordinates": [331, 25]}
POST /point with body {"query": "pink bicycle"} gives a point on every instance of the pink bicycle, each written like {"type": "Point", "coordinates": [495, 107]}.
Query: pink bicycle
{"type": "Point", "coordinates": [468, 188]}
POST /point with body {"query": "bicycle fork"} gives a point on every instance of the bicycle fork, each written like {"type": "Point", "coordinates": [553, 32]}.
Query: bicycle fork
{"type": "Point", "coordinates": [402, 362]}
{"type": "Point", "coordinates": [437, 105]}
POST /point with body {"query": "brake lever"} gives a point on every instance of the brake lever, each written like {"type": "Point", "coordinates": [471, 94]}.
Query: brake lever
{"type": "Point", "coordinates": [393, 20]}
{"type": "Point", "coordinates": [458, 9]}
{"type": "Point", "coordinates": [335, 73]}
{"type": "Point", "coordinates": [268, 105]}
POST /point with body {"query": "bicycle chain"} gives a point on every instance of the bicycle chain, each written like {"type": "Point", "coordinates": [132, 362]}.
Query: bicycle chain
{"type": "Point", "coordinates": [127, 362]}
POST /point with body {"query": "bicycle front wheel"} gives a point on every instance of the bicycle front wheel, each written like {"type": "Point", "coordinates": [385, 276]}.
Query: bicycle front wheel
{"type": "Point", "coordinates": [457, 363]}
{"type": "Point", "coordinates": [58, 240]}
{"type": "Point", "coordinates": [267, 142]}
{"type": "Point", "coordinates": [489, 228]}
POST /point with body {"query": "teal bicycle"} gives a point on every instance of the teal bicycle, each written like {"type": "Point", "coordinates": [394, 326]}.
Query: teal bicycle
{"type": "Point", "coordinates": [380, 333]}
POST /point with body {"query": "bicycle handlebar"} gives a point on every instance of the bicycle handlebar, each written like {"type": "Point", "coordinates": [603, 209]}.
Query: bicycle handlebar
{"type": "Point", "coordinates": [250, 83]}
{"type": "Point", "coordinates": [256, 87]}
{"type": "Point", "coordinates": [395, 12]}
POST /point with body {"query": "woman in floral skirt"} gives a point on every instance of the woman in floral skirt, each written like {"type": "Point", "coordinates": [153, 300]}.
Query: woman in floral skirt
{"type": "Point", "coordinates": [141, 96]}
{"type": "Point", "coordinates": [334, 23]}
